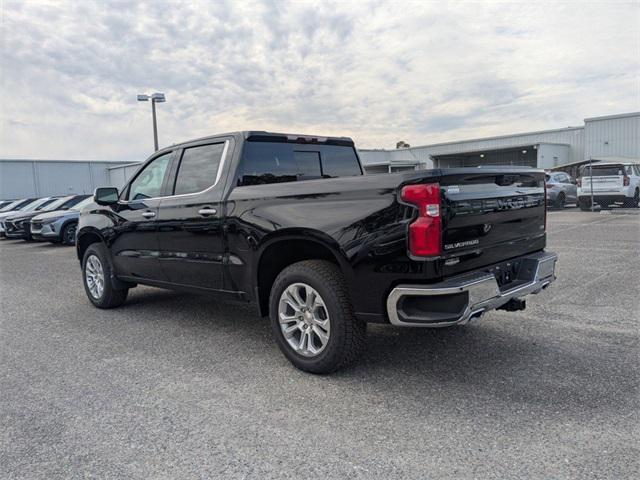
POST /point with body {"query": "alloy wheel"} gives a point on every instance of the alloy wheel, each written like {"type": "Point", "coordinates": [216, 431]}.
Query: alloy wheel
{"type": "Point", "coordinates": [70, 235]}
{"type": "Point", "coordinates": [304, 319]}
{"type": "Point", "coordinates": [94, 276]}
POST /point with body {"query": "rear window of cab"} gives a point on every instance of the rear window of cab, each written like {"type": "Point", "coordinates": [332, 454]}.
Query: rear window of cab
{"type": "Point", "coordinates": [279, 162]}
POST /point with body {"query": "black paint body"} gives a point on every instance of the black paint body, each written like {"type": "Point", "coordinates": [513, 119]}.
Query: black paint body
{"type": "Point", "coordinates": [489, 215]}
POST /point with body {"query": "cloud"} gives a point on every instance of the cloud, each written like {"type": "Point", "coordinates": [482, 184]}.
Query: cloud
{"type": "Point", "coordinates": [379, 71]}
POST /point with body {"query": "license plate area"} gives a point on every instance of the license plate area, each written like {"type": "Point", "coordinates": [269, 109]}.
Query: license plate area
{"type": "Point", "coordinates": [512, 273]}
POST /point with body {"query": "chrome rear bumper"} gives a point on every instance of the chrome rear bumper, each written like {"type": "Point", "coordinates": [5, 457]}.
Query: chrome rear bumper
{"type": "Point", "coordinates": [467, 296]}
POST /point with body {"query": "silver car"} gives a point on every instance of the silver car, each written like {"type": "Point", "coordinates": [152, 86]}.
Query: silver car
{"type": "Point", "coordinates": [561, 189]}
{"type": "Point", "coordinates": [59, 226]}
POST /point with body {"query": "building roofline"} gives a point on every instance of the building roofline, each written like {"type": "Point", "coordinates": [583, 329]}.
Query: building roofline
{"type": "Point", "coordinates": [498, 137]}
{"type": "Point", "coordinates": [535, 145]}
{"type": "Point", "coordinates": [611, 117]}
{"type": "Point", "coordinates": [68, 160]}
{"type": "Point", "coordinates": [491, 149]}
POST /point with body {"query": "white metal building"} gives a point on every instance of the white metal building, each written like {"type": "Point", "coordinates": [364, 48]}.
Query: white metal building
{"type": "Point", "coordinates": [610, 136]}
{"type": "Point", "coordinates": [600, 138]}
{"type": "Point", "coordinates": [40, 178]}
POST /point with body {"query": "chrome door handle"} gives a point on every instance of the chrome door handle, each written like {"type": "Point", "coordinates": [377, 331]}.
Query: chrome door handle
{"type": "Point", "coordinates": [148, 214]}
{"type": "Point", "coordinates": [205, 212]}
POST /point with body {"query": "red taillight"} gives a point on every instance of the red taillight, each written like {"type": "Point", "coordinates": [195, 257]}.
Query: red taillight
{"type": "Point", "coordinates": [426, 231]}
{"type": "Point", "coordinates": [549, 185]}
{"type": "Point", "coordinates": [579, 182]}
{"type": "Point", "coordinates": [625, 181]}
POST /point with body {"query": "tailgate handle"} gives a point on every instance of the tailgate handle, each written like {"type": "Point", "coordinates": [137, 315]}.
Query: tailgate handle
{"type": "Point", "coordinates": [206, 211]}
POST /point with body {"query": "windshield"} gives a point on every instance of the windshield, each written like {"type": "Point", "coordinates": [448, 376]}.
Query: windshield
{"type": "Point", "coordinates": [82, 204]}
{"type": "Point", "coordinates": [603, 170]}
{"type": "Point", "coordinates": [74, 200]}
{"type": "Point", "coordinates": [55, 204]}
{"type": "Point", "coordinates": [31, 206]}
{"type": "Point", "coordinates": [44, 204]}
{"type": "Point", "coordinates": [8, 208]}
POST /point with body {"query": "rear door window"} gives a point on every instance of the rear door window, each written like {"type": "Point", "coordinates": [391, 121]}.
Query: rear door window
{"type": "Point", "coordinates": [198, 168]}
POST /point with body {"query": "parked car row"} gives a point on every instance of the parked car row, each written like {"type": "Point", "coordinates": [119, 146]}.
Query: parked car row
{"type": "Point", "coordinates": [614, 184]}
{"type": "Point", "coordinates": [53, 219]}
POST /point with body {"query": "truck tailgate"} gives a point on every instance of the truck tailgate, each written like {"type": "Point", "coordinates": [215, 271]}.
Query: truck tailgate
{"type": "Point", "coordinates": [490, 215]}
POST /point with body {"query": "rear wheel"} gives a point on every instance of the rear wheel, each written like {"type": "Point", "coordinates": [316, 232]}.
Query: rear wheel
{"type": "Point", "coordinates": [96, 276]}
{"type": "Point", "coordinates": [585, 205]}
{"type": "Point", "coordinates": [633, 202]}
{"type": "Point", "coordinates": [68, 235]}
{"type": "Point", "coordinates": [312, 318]}
{"type": "Point", "coordinates": [561, 200]}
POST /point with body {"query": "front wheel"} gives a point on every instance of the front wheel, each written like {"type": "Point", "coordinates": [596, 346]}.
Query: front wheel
{"type": "Point", "coordinates": [96, 276]}
{"type": "Point", "coordinates": [68, 235]}
{"type": "Point", "coordinates": [312, 318]}
{"type": "Point", "coordinates": [561, 201]}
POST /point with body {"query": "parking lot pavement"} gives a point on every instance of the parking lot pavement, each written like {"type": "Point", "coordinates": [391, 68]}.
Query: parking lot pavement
{"type": "Point", "coordinates": [178, 386]}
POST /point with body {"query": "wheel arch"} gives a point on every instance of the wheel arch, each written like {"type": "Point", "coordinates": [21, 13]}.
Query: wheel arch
{"type": "Point", "coordinates": [85, 238]}
{"type": "Point", "coordinates": [287, 248]}
{"type": "Point", "coordinates": [65, 224]}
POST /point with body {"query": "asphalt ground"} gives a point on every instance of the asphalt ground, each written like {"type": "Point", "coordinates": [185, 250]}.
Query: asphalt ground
{"type": "Point", "coordinates": [178, 386]}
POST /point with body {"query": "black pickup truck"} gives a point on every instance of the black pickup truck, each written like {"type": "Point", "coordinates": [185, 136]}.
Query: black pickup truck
{"type": "Point", "coordinates": [292, 224]}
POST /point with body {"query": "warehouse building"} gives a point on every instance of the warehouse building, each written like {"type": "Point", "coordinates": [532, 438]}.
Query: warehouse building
{"type": "Point", "coordinates": [41, 178]}
{"type": "Point", "coordinates": [599, 139]}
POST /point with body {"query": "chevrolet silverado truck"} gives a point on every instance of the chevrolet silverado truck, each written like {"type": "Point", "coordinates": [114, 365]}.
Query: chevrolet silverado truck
{"type": "Point", "coordinates": [292, 224]}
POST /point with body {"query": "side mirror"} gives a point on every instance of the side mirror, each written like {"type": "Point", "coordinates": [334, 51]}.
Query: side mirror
{"type": "Point", "coordinates": [106, 196]}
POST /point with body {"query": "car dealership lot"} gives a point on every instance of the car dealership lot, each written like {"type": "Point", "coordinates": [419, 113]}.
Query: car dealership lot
{"type": "Point", "coordinates": [178, 386]}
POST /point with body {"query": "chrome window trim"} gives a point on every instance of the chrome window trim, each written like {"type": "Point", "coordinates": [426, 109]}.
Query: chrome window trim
{"type": "Point", "coordinates": [218, 174]}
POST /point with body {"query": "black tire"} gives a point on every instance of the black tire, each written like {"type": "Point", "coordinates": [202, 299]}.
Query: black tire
{"type": "Point", "coordinates": [109, 297]}
{"type": "Point", "coordinates": [561, 201]}
{"type": "Point", "coordinates": [347, 334]}
{"type": "Point", "coordinates": [68, 234]}
{"type": "Point", "coordinates": [585, 205]}
{"type": "Point", "coordinates": [633, 202]}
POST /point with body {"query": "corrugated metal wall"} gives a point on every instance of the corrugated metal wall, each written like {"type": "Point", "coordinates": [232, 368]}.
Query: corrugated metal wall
{"type": "Point", "coordinates": [613, 137]}
{"type": "Point", "coordinates": [421, 155]}
{"type": "Point", "coordinates": [17, 180]}
{"type": "Point", "coordinates": [118, 176]}
{"type": "Point", "coordinates": [552, 155]}
{"type": "Point", "coordinates": [40, 178]}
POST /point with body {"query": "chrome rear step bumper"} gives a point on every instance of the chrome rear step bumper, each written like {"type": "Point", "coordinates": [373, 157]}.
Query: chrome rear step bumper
{"type": "Point", "coordinates": [461, 298]}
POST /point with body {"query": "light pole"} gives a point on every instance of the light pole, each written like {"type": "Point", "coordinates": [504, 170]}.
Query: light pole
{"type": "Point", "coordinates": [155, 98]}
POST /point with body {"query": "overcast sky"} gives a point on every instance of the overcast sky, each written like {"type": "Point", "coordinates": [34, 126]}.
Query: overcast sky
{"type": "Point", "coordinates": [377, 71]}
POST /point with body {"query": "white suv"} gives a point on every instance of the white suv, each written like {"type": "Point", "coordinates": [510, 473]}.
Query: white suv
{"type": "Point", "coordinates": [614, 183]}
